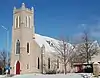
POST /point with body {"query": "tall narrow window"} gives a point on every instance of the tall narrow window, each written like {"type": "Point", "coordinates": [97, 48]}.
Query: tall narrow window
{"type": "Point", "coordinates": [26, 21]}
{"type": "Point", "coordinates": [29, 21]}
{"type": "Point", "coordinates": [57, 63]}
{"type": "Point", "coordinates": [27, 47]}
{"type": "Point", "coordinates": [48, 63]}
{"type": "Point", "coordinates": [38, 63]}
{"type": "Point", "coordinates": [18, 47]}
{"type": "Point", "coordinates": [17, 22]}
{"type": "Point", "coordinates": [27, 66]}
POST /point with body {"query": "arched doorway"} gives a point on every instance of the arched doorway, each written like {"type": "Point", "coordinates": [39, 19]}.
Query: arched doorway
{"type": "Point", "coordinates": [18, 67]}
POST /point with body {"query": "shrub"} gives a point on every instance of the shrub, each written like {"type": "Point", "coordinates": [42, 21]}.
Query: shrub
{"type": "Point", "coordinates": [51, 72]}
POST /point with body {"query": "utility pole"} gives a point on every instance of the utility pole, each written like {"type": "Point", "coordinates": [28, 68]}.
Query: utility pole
{"type": "Point", "coordinates": [7, 32]}
{"type": "Point", "coordinates": [7, 59]}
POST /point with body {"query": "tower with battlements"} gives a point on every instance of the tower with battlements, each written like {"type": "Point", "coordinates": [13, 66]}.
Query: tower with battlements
{"type": "Point", "coordinates": [25, 51]}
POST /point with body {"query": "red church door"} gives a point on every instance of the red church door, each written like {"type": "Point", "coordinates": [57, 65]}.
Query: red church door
{"type": "Point", "coordinates": [18, 67]}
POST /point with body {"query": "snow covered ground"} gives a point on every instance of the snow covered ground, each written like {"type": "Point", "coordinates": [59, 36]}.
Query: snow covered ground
{"type": "Point", "coordinates": [2, 76]}
{"type": "Point", "coordinates": [70, 75]}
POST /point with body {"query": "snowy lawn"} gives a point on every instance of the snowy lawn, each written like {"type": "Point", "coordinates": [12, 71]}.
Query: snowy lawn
{"type": "Point", "coordinates": [70, 75]}
{"type": "Point", "coordinates": [2, 76]}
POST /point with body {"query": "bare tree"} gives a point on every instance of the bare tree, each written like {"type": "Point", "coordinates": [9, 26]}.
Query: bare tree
{"type": "Point", "coordinates": [86, 49]}
{"type": "Point", "coordinates": [3, 58]}
{"type": "Point", "coordinates": [65, 52]}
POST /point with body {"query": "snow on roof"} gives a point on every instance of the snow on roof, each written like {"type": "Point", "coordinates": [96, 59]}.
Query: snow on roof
{"type": "Point", "coordinates": [48, 42]}
{"type": "Point", "coordinates": [42, 40]}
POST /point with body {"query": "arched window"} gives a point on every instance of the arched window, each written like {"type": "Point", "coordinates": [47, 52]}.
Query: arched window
{"type": "Point", "coordinates": [38, 63]}
{"type": "Point", "coordinates": [48, 63]}
{"type": "Point", "coordinates": [27, 47]}
{"type": "Point", "coordinates": [19, 21]}
{"type": "Point", "coordinates": [18, 47]}
{"type": "Point", "coordinates": [16, 22]}
{"type": "Point", "coordinates": [26, 21]}
{"type": "Point", "coordinates": [57, 63]}
{"type": "Point", "coordinates": [27, 66]}
{"type": "Point", "coordinates": [29, 21]}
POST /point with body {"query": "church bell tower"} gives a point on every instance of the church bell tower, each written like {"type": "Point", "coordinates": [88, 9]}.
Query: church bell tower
{"type": "Point", "coordinates": [22, 36]}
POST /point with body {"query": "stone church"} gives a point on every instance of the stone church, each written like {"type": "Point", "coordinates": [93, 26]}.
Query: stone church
{"type": "Point", "coordinates": [27, 55]}
{"type": "Point", "coordinates": [31, 52]}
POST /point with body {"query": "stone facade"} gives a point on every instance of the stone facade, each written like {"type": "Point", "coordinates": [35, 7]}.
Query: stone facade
{"type": "Point", "coordinates": [23, 31]}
